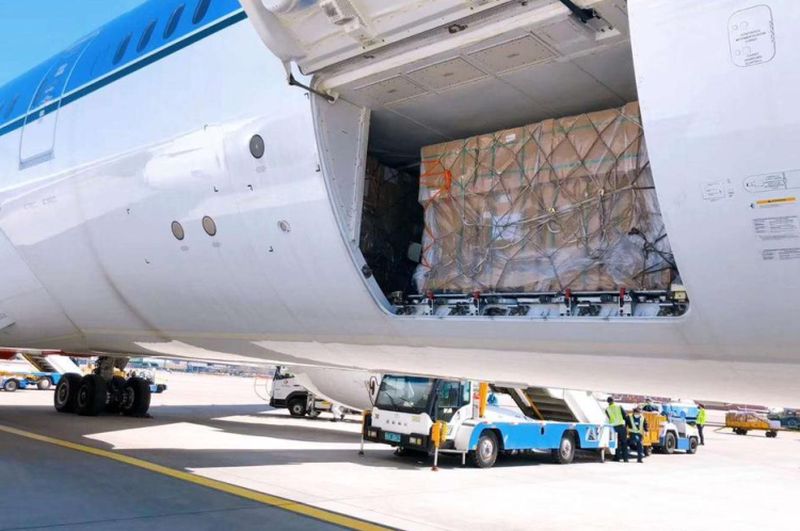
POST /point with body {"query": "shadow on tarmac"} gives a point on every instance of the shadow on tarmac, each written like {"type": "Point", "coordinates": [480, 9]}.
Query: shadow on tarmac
{"type": "Point", "coordinates": [295, 431]}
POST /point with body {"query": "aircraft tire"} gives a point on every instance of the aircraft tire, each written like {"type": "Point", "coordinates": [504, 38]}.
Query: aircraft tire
{"type": "Point", "coordinates": [136, 397]}
{"type": "Point", "coordinates": [117, 390]}
{"type": "Point", "coordinates": [92, 395]}
{"type": "Point", "coordinates": [66, 394]}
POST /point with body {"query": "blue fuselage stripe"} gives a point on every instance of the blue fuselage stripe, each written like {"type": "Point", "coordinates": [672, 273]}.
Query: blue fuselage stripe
{"type": "Point", "coordinates": [99, 83]}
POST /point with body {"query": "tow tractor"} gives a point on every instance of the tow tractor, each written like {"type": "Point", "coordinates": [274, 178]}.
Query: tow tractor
{"type": "Point", "coordinates": [11, 381]}
{"type": "Point", "coordinates": [448, 416]}
{"type": "Point", "coordinates": [669, 431]}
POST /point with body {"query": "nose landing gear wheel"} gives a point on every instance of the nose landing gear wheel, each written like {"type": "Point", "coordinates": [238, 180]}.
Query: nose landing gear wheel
{"type": "Point", "coordinates": [66, 394]}
{"type": "Point", "coordinates": [92, 395]}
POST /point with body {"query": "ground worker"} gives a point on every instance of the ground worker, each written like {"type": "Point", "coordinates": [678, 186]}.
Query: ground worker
{"type": "Point", "coordinates": [650, 406]}
{"type": "Point", "coordinates": [616, 417]}
{"type": "Point", "coordinates": [701, 421]}
{"type": "Point", "coordinates": [638, 427]}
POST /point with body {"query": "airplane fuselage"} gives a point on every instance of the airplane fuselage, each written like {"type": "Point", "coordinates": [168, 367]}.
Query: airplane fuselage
{"type": "Point", "coordinates": [138, 215]}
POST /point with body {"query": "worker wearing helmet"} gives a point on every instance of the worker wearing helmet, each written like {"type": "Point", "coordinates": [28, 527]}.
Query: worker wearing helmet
{"type": "Point", "coordinates": [638, 427]}
{"type": "Point", "coordinates": [700, 422]}
{"type": "Point", "coordinates": [616, 417]}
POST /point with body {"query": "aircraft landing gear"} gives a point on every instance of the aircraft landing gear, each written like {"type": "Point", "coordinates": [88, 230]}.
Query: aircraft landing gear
{"type": "Point", "coordinates": [101, 391]}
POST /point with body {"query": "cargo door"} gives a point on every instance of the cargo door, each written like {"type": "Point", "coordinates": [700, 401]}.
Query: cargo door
{"type": "Point", "coordinates": [39, 131]}
{"type": "Point", "coordinates": [319, 33]}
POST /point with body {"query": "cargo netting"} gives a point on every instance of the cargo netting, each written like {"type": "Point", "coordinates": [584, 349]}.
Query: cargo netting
{"type": "Point", "coordinates": [561, 204]}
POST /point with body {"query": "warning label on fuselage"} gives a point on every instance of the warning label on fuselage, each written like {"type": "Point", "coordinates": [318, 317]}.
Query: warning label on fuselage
{"type": "Point", "coordinates": [751, 36]}
{"type": "Point", "coordinates": [717, 190]}
{"type": "Point", "coordinates": [777, 228]}
{"type": "Point", "coordinates": [780, 255]}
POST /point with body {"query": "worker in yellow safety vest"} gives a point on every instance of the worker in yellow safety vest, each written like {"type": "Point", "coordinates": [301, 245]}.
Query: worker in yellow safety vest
{"type": "Point", "coordinates": [616, 417]}
{"type": "Point", "coordinates": [700, 422]}
{"type": "Point", "coordinates": [638, 427]}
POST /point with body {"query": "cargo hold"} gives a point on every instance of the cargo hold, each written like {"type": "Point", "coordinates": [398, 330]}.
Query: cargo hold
{"type": "Point", "coordinates": [503, 173]}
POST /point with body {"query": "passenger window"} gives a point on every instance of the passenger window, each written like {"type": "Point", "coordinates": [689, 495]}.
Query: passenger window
{"type": "Point", "coordinates": [173, 21]}
{"type": "Point", "coordinates": [200, 12]}
{"type": "Point", "coordinates": [148, 32]}
{"type": "Point", "coordinates": [123, 47]}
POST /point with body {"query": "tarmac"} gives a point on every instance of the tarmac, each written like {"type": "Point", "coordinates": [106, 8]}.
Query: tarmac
{"type": "Point", "coordinates": [214, 456]}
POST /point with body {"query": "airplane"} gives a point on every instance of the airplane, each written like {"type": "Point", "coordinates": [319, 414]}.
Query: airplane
{"type": "Point", "coordinates": [187, 181]}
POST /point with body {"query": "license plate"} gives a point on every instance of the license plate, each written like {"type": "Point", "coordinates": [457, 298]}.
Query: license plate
{"type": "Point", "coordinates": [392, 437]}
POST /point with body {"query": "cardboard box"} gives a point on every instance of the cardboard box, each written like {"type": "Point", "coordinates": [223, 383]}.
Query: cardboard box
{"type": "Point", "coordinates": [566, 203]}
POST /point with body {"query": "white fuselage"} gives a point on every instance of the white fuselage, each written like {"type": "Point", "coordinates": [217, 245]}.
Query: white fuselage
{"type": "Point", "coordinates": [89, 262]}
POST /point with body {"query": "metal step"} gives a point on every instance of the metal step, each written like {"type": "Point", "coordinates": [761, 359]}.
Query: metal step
{"type": "Point", "coordinates": [39, 362]}
{"type": "Point", "coordinates": [538, 403]}
{"type": "Point", "coordinates": [550, 407]}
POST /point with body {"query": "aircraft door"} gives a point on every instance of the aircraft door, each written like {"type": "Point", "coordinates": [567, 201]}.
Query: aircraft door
{"type": "Point", "coordinates": [39, 132]}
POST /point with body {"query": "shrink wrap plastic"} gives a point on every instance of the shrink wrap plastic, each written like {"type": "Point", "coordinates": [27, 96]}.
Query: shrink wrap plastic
{"type": "Point", "coordinates": [562, 203]}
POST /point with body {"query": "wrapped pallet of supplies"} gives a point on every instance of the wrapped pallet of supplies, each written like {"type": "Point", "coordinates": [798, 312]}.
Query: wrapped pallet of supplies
{"type": "Point", "coordinates": [563, 203]}
{"type": "Point", "coordinates": [388, 225]}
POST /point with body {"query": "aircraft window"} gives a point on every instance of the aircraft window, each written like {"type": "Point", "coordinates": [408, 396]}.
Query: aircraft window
{"type": "Point", "coordinates": [200, 12]}
{"type": "Point", "coordinates": [148, 32]}
{"type": "Point", "coordinates": [173, 21]}
{"type": "Point", "coordinates": [11, 106]}
{"type": "Point", "coordinates": [123, 47]}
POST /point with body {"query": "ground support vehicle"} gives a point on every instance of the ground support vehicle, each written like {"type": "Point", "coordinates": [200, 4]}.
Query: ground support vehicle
{"type": "Point", "coordinates": [150, 375]}
{"type": "Point", "coordinates": [789, 419]}
{"type": "Point", "coordinates": [10, 381]}
{"type": "Point", "coordinates": [447, 416]}
{"type": "Point", "coordinates": [287, 392]}
{"type": "Point", "coordinates": [667, 434]}
{"type": "Point", "coordinates": [743, 421]}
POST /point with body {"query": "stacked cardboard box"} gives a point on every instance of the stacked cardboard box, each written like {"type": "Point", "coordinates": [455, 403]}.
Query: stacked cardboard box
{"type": "Point", "coordinates": [563, 203]}
{"type": "Point", "coordinates": [390, 221]}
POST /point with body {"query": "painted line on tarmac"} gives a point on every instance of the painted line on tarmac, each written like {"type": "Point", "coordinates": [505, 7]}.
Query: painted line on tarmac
{"type": "Point", "coordinates": [267, 499]}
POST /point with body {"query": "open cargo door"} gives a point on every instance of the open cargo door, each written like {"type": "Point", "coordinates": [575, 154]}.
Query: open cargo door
{"type": "Point", "coordinates": [319, 33]}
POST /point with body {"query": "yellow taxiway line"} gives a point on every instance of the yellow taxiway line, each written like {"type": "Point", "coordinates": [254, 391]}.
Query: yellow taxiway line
{"type": "Point", "coordinates": [267, 499]}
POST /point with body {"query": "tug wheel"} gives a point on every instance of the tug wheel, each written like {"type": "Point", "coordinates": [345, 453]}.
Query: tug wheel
{"type": "Point", "coordinates": [485, 453]}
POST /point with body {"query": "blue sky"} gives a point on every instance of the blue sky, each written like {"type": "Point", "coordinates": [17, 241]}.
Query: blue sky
{"type": "Point", "coordinates": [33, 30]}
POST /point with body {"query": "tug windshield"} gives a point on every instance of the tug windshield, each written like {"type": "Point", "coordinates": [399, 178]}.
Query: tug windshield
{"type": "Point", "coordinates": [404, 393]}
